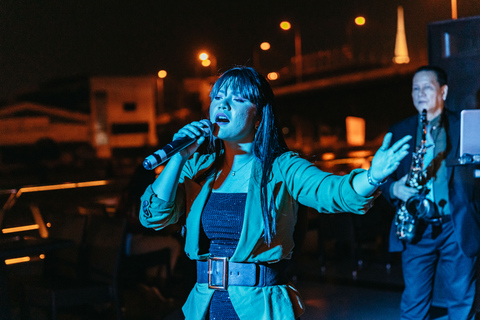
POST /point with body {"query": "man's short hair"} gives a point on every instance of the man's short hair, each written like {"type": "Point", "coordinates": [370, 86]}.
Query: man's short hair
{"type": "Point", "coordinates": [439, 72]}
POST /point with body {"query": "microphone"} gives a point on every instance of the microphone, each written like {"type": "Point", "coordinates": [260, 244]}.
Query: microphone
{"type": "Point", "coordinates": [165, 153]}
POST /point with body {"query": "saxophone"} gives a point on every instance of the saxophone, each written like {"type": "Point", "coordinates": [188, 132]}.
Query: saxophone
{"type": "Point", "coordinates": [411, 211]}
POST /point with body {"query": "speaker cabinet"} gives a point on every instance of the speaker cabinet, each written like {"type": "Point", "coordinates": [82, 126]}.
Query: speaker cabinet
{"type": "Point", "coordinates": [454, 45]}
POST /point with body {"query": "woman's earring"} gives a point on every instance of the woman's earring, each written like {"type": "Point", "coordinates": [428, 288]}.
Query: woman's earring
{"type": "Point", "coordinates": [257, 124]}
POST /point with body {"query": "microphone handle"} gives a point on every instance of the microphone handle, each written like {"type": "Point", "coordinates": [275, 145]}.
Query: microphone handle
{"type": "Point", "coordinates": [162, 155]}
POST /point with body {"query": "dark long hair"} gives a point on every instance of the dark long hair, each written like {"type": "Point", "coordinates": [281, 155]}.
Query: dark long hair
{"type": "Point", "coordinates": [269, 142]}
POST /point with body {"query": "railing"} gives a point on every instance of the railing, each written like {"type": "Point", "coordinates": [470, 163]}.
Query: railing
{"type": "Point", "coordinates": [15, 194]}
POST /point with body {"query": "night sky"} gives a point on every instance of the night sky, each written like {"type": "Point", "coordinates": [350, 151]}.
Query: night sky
{"type": "Point", "coordinates": [42, 40]}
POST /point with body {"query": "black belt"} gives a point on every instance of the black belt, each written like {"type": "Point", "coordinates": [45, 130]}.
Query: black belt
{"type": "Point", "coordinates": [220, 273]}
{"type": "Point", "coordinates": [438, 220]}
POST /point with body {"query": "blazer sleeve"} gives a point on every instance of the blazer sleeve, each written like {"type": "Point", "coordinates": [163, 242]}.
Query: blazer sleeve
{"type": "Point", "coordinates": [156, 213]}
{"type": "Point", "coordinates": [321, 190]}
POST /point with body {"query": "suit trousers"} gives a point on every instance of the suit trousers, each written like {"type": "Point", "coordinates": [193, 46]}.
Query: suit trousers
{"type": "Point", "coordinates": [437, 251]}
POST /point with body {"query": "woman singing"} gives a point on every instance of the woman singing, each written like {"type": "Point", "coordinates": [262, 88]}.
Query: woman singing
{"type": "Point", "coordinates": [241, 201]}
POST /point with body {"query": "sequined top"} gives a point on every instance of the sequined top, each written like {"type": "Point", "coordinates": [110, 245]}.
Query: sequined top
{"type": "Point", "coordinates": [222, 221]}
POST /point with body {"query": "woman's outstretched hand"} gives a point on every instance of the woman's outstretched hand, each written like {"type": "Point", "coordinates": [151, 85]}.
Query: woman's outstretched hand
{"type": "Point", "coordinates": [387, 160]}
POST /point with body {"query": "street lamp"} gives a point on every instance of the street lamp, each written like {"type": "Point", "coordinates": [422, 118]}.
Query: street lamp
{"type": "Point", "coordinates": [285, 25]}
{"type": "Point", "coordinates": [360, 21]}
{"type": "Point", "coordinates": [208, 61]}
{"type": "Point", "coordinates": [272, 76]}
{"type": "Point", "coordinates": [264, 46]}
{"type": "Point", "coordinates": [160, 91]}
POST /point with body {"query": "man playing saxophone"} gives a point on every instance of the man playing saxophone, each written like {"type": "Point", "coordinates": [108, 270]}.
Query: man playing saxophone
{"type": "Point", "coordinates": [445, 232]}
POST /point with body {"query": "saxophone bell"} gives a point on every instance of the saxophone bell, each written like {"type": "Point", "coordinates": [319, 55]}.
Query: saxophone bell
{"type": "Point", "coordinates": [421, 206]}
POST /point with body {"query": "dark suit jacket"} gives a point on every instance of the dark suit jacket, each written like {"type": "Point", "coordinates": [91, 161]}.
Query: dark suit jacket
{"type": "Point", "coordinates": [464, 188]}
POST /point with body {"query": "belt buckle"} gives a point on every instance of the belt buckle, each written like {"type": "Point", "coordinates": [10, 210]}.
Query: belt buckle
{"type": "Point", "coordinates": [224, 273]}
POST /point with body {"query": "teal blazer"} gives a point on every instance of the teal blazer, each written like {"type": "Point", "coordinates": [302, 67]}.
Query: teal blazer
{"type": "Point", "coordinates": [294, 181]}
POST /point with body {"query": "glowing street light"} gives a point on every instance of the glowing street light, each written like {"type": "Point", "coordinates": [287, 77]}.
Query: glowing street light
{"type": "Point", "coordinates": [285, 25]}
{"type": "Point", "coordinates": [205, 59]}
{"type": "Point", "coordinates": [360, 21]}
{"type": "Point", "coordinates": [161, 91]}
{"type": "Point", "coordinates": [273, 76]}
{"type": "Point", "coordinates": [265, 46]}
{"type": "Point", "coordinates": [162, 74]}
{"type": "Point", "coordinates": [208, 61]}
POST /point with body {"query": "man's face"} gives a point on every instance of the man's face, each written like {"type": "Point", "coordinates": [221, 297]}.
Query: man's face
{"type": "Point", "coordinates": [428, 94]}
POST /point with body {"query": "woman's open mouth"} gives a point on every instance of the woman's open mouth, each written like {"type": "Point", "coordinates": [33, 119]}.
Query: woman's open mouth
{"type": "Point", "coordinates": [221, 119]}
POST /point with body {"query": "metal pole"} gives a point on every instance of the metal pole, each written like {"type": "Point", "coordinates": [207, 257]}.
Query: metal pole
{"type": "Point", "coordinates": [298, 54]}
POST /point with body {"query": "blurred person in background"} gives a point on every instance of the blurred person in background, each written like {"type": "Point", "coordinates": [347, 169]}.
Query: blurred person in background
{"type": "Point", "coordinates": [446, 239]}
{"type": "Point", "coordinates": [241, 201]}
{"type": "Point", "coordinates": [145, 247]}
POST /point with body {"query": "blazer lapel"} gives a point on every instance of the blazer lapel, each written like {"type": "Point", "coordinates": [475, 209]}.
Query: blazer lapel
{"type": "Point", "coordinates": [253, 220]}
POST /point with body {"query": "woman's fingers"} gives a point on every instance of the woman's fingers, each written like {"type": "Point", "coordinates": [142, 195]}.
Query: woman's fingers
{"type": "Point", "coordinates": [401, 144]}
{"type": "Point", "coordinates": [386, 141]}
{"type": "Point", "coordinates": [192, 130]}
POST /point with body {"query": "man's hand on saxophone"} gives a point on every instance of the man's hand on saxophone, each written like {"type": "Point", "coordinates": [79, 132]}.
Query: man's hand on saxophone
{"type": "Point", "coordinates": [401, 191]}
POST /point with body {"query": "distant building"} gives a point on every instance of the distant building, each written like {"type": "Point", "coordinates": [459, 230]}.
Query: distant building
{"type": "Point", "coordinates": [124, 112]}
{"type": "Point", "coordinates": [26, 123]}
